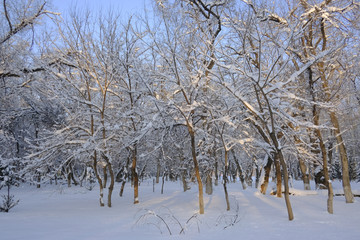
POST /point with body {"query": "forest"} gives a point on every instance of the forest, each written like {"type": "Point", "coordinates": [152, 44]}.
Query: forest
{"type": "Point", "coordinates": [219, 93]}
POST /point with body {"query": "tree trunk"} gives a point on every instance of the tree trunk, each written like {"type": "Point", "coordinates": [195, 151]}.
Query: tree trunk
{"type": "Point", "coordinates": [126, 175]}
{"type": "Point", "coordinates": [303, 166]}
{"type": "Point", "coordinates": [216, 174]}
{"type": "Point", "coordinates": [73, 177]}
{"type": "Point", "coordinates": [163, 182]}
{"type": "Point", "coordinates": [305, 174]}
{"type": "Point", "coordinates": [184, 182]}
{"type": "Point", "coordinates": [239, 168]}
{"type": "Point", "coordinates": [122, 188]}
{"type": "Point", "coordinates": [225, 179]}
{"type": "Point", "coordinates": [38, 180]}
{"type": "Point", "coordinates": [197, 171]}
{"type": "Point", "coordinates": [68, 177]}
{"type": "Point", "coordinates": [134, 174]}
{"type": "Point", "coordinates": [158, 169]}
{"type": "Point", "coordinates": [330, 152]}
{"type": "Point", "coordinates": [278, 177]}
{"type": "Point", "coordinates": [349, 197]}
{"type": "Point", "coordinates": [226, 197]}
{"type": "Point", "coordinates": [208, 187]}
{"type": "Point", "coordinates": [258, 174]}
{"type": "Point", "coordinates": [267, 168]}
{"type": "Point", "coordinates": [101, 199]}
{"type": "Point", "coordinates": [105, 176]}
{"type": "Point", "coordinates": [111, 186]}
{"type": "Point", "coordinates": [112, 178]}
{"type": "Point", "coordinates": [279, 156]}
{"type": "Point", "coordinates": [286, 184]}
{"type": "Point", "coordinates": [326, 173]}
{"type": "Point", "coordinates": [328, 184]}
{"type": "Point", "coordinates": [233, 171]}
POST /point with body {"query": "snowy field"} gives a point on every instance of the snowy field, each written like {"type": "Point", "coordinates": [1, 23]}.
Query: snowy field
{"type": "Point", "coordinates": [58, 212]}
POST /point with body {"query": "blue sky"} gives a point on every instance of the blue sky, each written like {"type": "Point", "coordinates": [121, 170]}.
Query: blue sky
{"type": "Point", "coordinates": [126, 7]}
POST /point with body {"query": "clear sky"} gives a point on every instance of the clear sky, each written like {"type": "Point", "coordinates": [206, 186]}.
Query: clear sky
{"type": "Point", "coordinates": [126, 7]}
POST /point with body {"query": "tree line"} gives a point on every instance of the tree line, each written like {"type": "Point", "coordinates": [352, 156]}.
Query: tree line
{"type": "Point", "coordinates": [193, 90]}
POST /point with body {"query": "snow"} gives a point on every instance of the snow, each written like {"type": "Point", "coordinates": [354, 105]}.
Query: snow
{"type": "Point", "coordinates": [58, 212]}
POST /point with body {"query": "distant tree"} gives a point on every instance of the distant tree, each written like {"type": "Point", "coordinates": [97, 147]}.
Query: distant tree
{"type": "Point", "coordinates": [8, 179]}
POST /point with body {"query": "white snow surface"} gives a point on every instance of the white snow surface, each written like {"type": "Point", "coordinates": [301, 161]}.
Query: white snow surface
{"type": "Point", "coordinates": [59, 212]}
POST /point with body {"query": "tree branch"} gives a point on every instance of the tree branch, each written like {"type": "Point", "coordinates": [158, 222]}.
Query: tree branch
{"type": "Point", "coordinates": [24, 23]}
{"type": "Point", "coordinates": [7, 16]}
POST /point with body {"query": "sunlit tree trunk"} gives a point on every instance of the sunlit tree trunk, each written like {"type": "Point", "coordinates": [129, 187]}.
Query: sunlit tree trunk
{"type": "Point", "coordinates": [280, 156]}
{"type": "Point", "coordinates": [349, 197]}
{"type": "Point", "coordinates": [278, 177]}
{"type": "Point", "coordinates": [286, 185]}
{"type": "Point", "coordinates": [267, 169]}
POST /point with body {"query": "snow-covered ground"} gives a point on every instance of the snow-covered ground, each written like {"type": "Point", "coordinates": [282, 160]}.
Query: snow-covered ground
{"type": "Point", "coordinates": [58, 212]}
